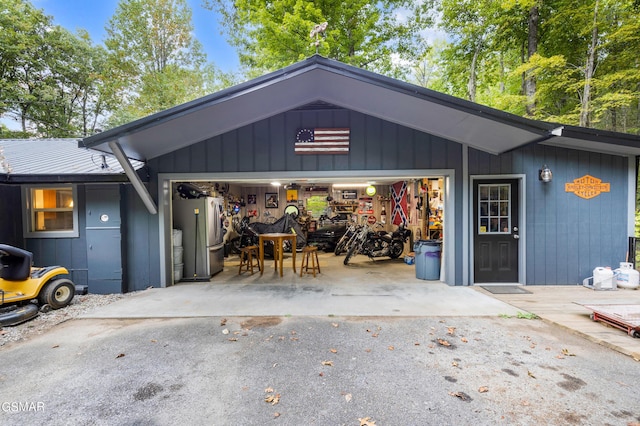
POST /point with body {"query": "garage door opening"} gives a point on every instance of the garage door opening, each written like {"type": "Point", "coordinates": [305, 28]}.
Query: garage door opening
{"type": "Point", "coordinates": [324, 211]}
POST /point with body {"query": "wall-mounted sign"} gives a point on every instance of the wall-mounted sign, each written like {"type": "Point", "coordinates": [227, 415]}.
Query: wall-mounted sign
{"type": "Point", "coordinates": [587, 187]}
{"type": "Point", "coordinates": [292, 195]}
{"type": "Point", "coordinates": [350, 194]}
{"type": "Point", "coordinates": [371, 190]}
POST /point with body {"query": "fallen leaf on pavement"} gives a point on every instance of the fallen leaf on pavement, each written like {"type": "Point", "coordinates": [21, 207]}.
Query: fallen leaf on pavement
{"type": "Point", "coordinates": [567, 353]}
{"type": "Point", "coordinates": [391, 348]}
{"type": "Point", "coordinates": [55, 346]}
{"type": "Point", "coordinates": [451, 330]}
{"type": "Point", "coordinates": [335, 324]}
{"type": "Point", "coordinates": [531, 374]}
{"type": "Point", "coordinates": [461, 395]}
{"type": "Point", "coordinates": [329, 363]}
{"type": "Point", "coordinates": [272, 399]}
{"type": "Point", "coordinates": [348, 397]}
{"type": "Point", "coordinates": [223, 322]}
{"type": "Point", "coordinates": [454, 364]}
{"type": "Point", "coordinates": [120, 355]}
{"type": "Point", "coordinates": [464, 339]}
{"type": "Point", "coordinates": [333, 351]}
{"type": "Point", "coordinates": [443, 342]}
{"type": "Point", "coordinates": [367, 422]}
{"type": "Point", "coordinates": [483, 389]}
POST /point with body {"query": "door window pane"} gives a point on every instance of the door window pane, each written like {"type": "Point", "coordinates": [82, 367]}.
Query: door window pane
{"type": "Point", "coordinates": [494, 208]}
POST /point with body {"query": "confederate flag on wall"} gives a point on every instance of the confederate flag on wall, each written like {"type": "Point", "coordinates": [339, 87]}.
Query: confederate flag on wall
{"type": "Point", "coordinates": [399, 203]}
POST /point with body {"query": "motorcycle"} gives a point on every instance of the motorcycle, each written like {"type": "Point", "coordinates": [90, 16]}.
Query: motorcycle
{"type": "Point", "coordinates": [378, 243]}
{"type": "Point", "coordinates": [249, 233]}
{"type": "Point", "coordinates": [345, 241]}
{"type": "Point", "coordinates": [245, 235]}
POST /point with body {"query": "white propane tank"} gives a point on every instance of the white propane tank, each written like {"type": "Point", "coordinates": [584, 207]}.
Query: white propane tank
{"type": "Point", "coordinates": [626, 276]}
{"type": "Point", "coordinates": [603, 278]}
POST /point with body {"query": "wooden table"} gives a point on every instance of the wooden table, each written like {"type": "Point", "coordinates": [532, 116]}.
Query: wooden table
{"type": "Point", "coordinates": [278, 249]}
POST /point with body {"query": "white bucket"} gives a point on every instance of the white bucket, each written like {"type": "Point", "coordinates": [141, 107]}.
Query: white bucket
{"type": "Point", "coordinates": [603, 278]}
{"type": "Point", "coordinates": [177, 272]}
{"type": "Point", "coordinates": [626, 276]}
{"type": "Point", "coordinates": [177, 237]}
{"type": "Point", "coordinates": [177, 255]}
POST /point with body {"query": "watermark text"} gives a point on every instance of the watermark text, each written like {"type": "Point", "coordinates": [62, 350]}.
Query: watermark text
{"type": "Point", "coordinates": [21, 406]}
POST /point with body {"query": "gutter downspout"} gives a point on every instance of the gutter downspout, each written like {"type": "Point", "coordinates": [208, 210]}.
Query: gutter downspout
{"type": "Point", "coordinates": [133, 177]}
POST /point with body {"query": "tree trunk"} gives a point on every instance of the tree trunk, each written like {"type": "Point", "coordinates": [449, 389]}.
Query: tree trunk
{"type": "Point", "coordinates": [589, 71]}
{"type": "Point", "coordinates": [473, 84]}
{"type": "Point", "coordinates": [502, 75]}
{"type": "Point", "coordinates": [532, 48]}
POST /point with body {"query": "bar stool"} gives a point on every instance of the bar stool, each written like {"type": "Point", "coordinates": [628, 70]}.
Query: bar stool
{"type": "Point", "coordinates": [310, 252]}
{"type": "Point", "coordinates": [248, 258]}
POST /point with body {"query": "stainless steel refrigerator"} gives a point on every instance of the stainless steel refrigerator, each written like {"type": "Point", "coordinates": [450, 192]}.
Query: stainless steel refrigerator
{"type": "Point", "coordinates": [200, 220]}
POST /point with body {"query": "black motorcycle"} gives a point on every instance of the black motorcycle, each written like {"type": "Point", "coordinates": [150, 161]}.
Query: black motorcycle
{"type": "Point", "coordinates": [378, 243]}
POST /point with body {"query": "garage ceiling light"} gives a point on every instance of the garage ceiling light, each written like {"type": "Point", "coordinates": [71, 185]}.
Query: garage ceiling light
{"type": "Point", "coordinates": [351, 185]}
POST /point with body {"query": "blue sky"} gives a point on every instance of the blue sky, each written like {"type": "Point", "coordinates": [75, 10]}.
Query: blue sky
{"type": "Point", "coordinates": [93, 15]}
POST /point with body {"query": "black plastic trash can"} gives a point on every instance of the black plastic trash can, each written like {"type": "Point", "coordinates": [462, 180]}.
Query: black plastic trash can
{"type": "Point", "coordinates": [428, 253]}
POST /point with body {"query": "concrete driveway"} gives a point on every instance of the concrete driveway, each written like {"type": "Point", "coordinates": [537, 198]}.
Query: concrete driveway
{"type": "Point", "coordinates": [374, 348]}
{"type": "Point", "coordinates": [368, 288]}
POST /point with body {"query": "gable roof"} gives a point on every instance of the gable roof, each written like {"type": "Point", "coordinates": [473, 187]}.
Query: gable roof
{"type": "Point", "coordinates": [318, 79]}
{"type": "Point", "coordinates": [56, 159]}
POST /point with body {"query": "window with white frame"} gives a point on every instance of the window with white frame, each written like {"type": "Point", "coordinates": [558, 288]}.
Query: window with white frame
{"type": "Point", "coordinates": [51, 211]}
{"type": "Point", "coordinates": [494, 209]}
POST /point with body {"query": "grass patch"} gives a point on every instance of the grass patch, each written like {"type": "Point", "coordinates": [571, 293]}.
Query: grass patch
{"type": "Point", "coordinates": [521, 315]}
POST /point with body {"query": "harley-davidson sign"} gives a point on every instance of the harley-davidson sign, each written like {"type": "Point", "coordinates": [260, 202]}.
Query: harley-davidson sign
{"type": "Point", "coordinates": [587, 187]}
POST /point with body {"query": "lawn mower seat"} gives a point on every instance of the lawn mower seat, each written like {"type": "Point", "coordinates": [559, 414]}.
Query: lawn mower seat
{"type": "Point", "coordinates": [15, 262]}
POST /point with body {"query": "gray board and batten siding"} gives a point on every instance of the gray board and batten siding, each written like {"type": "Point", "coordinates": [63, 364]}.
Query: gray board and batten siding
{"type": "Point", "coordinates": [566, 236]}
{"type": "Point", "coordinates": [137, 262]}
{"type": "Point", "coordinates": [11, 218]}
{"type": "Point", "coordinates": [267, 145]}
{"type": "Point", "coordinates": [376, 146]}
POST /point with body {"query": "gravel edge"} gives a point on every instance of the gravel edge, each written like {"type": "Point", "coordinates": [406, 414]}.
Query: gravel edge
{"type": "Point", "coordinates": [80, 305]}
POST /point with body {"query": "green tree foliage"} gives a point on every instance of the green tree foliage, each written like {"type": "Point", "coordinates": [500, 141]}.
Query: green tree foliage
{"type": "Point", "coordinates": [584, 67]}
{"type": "Point", "coordinates": [379, 35]}
{"type": "Point", "coordinates": [156, 63]}
{"type": "Point", "coordinates": [50, 79]}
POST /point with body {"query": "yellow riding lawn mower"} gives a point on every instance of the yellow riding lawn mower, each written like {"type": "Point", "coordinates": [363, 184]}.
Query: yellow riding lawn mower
{"type": "Point", "coordinates": [21, 285]}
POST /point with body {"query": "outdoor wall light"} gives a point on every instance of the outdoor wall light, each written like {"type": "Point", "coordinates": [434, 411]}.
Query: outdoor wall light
{"type": "Point", "coordinates": [544, 174]}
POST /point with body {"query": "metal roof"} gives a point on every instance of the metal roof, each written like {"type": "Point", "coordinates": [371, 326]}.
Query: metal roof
{"type": "Point", "coordinates": [55, 157]}
{"type": "Point", "coordinates": [321, 80]}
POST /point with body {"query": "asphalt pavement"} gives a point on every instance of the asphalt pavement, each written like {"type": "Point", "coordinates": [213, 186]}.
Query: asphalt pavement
{"type": "Point", "coordinates": [338, 349]}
